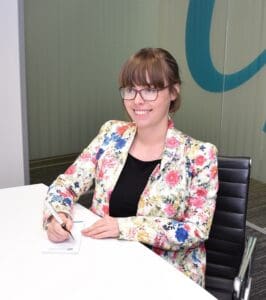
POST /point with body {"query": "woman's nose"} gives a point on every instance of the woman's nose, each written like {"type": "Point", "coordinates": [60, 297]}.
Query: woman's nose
{"type": "Point", "coordinates": [138, 99]}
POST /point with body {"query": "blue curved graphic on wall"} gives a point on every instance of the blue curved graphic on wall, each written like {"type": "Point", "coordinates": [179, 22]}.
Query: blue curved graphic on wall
{"type": "Point", "coordinates": [198, 52]}
{"type": "Point", "coordinates": [264, 127]}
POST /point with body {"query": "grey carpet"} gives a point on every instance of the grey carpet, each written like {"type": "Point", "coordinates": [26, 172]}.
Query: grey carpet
{"type": "Point", "coordinates": [257, 203]}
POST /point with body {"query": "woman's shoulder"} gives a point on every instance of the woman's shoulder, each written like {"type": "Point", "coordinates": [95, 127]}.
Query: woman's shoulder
{"type": "Point", "coordinates": [117, 126]}
{"type": "Point", "coordinates": [195, 147]}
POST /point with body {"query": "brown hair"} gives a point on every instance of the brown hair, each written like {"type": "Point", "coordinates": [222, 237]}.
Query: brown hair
{"type": "Point", "coordinates": [156, 65]}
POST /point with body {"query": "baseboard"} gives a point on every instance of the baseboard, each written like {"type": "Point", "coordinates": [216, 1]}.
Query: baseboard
{"type": "Point", "coordinates": [59, 160]}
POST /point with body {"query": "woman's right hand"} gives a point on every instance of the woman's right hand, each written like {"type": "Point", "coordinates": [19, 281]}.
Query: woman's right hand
{"type": "Point", "coordinates": [55, 232]}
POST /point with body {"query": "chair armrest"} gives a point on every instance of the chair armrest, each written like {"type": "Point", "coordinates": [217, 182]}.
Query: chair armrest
{"type": "Point", "coordinates": [244, 267]}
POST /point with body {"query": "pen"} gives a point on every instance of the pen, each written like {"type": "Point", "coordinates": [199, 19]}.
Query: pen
{"type": "Point", "coordinates": [58, 218]}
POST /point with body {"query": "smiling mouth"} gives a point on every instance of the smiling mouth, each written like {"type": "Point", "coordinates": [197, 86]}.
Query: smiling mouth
{"type": "Point", "coordinates": [141, 111]}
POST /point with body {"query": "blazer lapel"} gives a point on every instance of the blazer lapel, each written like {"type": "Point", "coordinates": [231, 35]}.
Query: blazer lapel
{"type": "Point", "coordinates": [118, 155]}
{"type": "Point", "coordinates": [174, 146]}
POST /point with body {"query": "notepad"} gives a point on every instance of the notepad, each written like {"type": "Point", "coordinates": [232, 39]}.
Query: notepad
{"type": "Point", "coordinates": [70, 246]}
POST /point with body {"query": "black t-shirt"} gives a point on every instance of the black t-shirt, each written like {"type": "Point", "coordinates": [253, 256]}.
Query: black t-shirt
{"type": "Point", "coordinates": [130, 185]}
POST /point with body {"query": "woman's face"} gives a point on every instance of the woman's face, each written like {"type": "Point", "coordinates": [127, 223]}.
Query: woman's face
{"type": "Point", "coordinates": [149, 114]}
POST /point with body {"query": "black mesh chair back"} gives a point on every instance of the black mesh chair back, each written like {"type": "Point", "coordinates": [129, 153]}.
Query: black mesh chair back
{"type": "Point", "coordinates": [226, 242]}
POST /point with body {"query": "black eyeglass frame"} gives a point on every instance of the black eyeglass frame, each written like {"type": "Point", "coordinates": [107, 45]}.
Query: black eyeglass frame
{"type": "Point", "coordinates": [140, 92]}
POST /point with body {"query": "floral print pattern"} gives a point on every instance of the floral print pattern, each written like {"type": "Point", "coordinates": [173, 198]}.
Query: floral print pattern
{"type": "Point", "coordinates": [176, 208]}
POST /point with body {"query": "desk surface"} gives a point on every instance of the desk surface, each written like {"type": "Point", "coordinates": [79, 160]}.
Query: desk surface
{"type": "Point", "coordinates": [103, 269]}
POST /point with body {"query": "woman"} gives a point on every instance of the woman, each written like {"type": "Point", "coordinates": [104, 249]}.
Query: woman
{"type": "Point", "coordinates": [153, 184]}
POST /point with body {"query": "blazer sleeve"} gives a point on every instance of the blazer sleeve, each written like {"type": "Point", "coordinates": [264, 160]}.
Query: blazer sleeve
{"type": "Point", "coordinates": [171, 234]}
{"type": "Point", "coordinates": [77, 178]}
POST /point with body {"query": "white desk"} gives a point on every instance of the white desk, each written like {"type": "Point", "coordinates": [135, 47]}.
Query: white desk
{"type": "Point", "coordinates": [103, 269]}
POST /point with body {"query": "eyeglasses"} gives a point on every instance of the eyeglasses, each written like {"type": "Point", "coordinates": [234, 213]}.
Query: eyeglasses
{"type": "Point", "coordinates": [147, 94]}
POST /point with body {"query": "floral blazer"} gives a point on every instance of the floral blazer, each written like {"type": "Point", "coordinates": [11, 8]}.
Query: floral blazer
{"type": "Point", "coordinates": [176, 208]}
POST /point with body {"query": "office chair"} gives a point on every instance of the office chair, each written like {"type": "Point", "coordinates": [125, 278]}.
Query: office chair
{"type": "Point", "coordinates": [229, 253]}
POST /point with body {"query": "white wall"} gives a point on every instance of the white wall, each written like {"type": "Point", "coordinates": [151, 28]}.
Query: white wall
{"type": "Point", "coordinates": [13, 128]}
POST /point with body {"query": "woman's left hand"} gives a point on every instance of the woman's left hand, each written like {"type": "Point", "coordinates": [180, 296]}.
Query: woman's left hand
{"type": "Point", "coordinates": [107, 227]}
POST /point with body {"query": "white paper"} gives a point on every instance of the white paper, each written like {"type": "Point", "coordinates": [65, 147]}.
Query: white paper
{"type": "Point", "coordinates": [70, 246]}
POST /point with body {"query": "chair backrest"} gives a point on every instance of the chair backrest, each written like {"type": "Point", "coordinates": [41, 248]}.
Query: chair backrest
{"type": "Point", "coordinates": [226, 242]}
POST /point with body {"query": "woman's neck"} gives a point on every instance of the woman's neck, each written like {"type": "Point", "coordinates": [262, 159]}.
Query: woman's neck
{"type": "Point", "coordinates": [149, 143]}
{"type": "Point", "coordinates": [151, 136]}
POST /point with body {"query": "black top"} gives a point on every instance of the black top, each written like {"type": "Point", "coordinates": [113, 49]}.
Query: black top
{"type": "Point", "coordinates": [130, 185]}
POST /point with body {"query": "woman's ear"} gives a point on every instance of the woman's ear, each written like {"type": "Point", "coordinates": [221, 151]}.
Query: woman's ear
{"type": "Point", "coordinates": [175, 91]}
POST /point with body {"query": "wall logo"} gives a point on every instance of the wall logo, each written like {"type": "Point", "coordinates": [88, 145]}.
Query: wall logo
{"type": "Point", "coordinates": [198, 52]}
